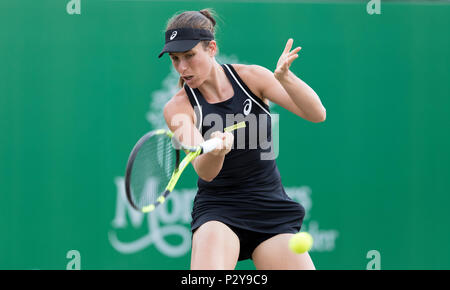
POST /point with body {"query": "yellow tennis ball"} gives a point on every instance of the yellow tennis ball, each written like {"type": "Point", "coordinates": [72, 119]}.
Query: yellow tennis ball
{"type": "Point", "coordinates": [301, 242]}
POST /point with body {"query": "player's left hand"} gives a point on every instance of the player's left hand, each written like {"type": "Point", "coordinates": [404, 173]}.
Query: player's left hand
{"type": "Point", "coordinates": [286, 59]}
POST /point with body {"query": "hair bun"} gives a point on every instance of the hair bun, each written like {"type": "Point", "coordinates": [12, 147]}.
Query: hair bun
{"type": "Point", "coordinates": [208, 14]}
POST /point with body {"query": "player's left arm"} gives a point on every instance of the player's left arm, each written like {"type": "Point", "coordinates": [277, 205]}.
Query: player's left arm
{"type": "Point", "coordinates": [285, 89]}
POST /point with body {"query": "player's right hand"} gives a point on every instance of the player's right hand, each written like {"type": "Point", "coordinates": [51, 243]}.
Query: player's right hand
{"type": "Point", "coordinates": [227, 142]}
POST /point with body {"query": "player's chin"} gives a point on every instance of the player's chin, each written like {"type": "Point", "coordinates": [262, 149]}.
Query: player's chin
{"type": "Point", "coordinates": [193, 82]}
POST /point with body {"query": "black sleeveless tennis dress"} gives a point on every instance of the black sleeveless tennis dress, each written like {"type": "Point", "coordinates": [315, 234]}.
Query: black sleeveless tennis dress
{"type": "Point", "coordinates": [247, 194]}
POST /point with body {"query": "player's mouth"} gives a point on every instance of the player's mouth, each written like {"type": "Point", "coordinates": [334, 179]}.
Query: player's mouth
{"type": "Point", "coordinates": [187, 78]}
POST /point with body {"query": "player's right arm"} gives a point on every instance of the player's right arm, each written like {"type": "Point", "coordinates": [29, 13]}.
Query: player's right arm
{"type": "Point", "coordinates": [180, 119]}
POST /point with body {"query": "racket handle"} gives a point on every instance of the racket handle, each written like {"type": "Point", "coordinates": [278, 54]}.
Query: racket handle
{"type": "Point", "coordinates": [210, 145]}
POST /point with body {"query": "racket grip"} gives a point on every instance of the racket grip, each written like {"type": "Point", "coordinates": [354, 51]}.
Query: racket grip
{"type": "Point", "coordinates": [210, 145]}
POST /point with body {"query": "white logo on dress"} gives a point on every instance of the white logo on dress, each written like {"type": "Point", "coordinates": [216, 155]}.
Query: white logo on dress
{"type": "Point", "coordinates": [174, 34]}
{"type": "Point", "coordinates": [247, 107]}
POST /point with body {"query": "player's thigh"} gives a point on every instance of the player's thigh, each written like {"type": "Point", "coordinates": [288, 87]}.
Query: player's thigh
{"type": "Point", "coordinates": [274, 254]}
{"type": "Point", "coordinates": [214, 246]}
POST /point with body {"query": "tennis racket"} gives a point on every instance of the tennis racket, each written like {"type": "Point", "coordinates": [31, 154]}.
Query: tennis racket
{"type": "Point", "coordinates": [154, 166]}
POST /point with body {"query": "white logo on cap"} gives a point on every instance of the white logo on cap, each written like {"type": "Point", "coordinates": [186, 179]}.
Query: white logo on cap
{"type": "Point", "coordinates": [174, 34]}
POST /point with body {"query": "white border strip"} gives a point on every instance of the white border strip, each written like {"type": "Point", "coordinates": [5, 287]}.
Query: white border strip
{"type": "Point", "coordinates": [248, 95]}
{"type": "Point", "coordinates": [200, 110]}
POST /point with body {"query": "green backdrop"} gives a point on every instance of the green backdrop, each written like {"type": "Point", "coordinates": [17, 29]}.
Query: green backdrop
{"type": "Point", "coordinates": [77, 91]}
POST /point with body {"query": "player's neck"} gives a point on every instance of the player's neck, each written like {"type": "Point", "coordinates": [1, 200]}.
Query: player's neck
{"type": "Point", "coordinates": [217, 87]}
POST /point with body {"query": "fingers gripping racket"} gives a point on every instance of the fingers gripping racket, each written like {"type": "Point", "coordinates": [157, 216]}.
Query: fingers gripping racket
{"type": "Point", "coordinates": [154, 166]}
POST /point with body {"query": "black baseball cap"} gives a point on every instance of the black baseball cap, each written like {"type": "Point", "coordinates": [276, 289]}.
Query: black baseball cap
{"type": "Point", "coordinates": [184, 39]}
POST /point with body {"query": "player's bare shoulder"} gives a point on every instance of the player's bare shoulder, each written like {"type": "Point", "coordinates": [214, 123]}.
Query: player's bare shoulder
{"type": "Point", "coordinates": [254, 76]}
{"type": "Point", "coordinates": [178, 104]}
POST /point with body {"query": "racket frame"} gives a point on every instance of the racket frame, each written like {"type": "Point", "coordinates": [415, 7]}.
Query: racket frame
{"type": "Point", "coordinates": [194, 151]}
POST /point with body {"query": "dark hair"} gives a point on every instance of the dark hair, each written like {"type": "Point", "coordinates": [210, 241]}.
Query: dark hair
{"type": "Point", "coordinates": [203, 19]}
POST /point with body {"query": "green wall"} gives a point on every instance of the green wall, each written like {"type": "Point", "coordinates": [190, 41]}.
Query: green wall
{"type": "Point", "coordinates": [77, 91]}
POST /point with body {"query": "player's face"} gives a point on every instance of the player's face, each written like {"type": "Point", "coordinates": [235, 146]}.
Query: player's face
{"type": "Point", "coordinates": [195, 65]}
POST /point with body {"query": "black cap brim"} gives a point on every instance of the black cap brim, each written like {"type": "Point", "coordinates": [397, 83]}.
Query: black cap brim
{"type": "Point", "coordinates": [179, 46]}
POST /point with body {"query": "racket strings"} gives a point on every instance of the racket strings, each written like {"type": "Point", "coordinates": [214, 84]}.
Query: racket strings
{"type": "Point", "coordinates": [152, 170]}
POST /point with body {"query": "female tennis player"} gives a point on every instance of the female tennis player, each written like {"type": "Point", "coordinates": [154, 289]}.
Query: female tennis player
{"type": "Point", "coordinates": [241, 210]}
